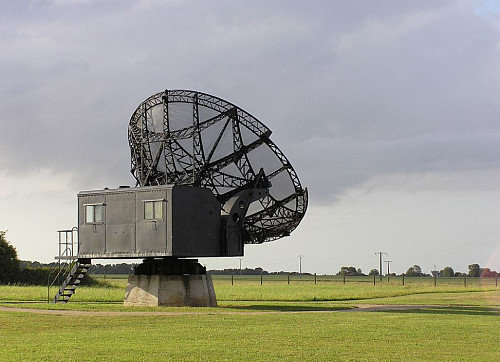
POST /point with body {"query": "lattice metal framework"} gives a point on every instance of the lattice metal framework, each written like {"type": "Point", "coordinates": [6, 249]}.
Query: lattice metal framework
{"type": "Point", "coordinates": [189, 137]}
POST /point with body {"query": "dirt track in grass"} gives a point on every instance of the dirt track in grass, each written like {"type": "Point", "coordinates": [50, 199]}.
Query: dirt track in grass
{"type": "Point", "coordinates": [354, 308]}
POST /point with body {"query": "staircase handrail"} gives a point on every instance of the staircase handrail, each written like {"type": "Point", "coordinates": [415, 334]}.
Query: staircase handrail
{"type": "Point", "coordinates": [66, 251]}
{"type": "Point", "coordinates": [61, 270]}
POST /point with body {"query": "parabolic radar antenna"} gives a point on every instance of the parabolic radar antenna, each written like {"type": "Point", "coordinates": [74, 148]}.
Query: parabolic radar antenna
{"type": "Point", "coordinates": [210, 180]}
{"type": "Point", "coordinates": [186, 137]}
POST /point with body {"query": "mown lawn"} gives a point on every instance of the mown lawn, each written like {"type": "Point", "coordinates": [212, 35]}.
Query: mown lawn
{"type": "Point", "coordinates": [274, 321]}
{"type": "Point", "coordinates": [432, 334]}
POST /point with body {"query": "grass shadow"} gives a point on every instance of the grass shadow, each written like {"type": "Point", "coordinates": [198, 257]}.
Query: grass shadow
{"type": "Point", "coordinates": [457, 310]}
{"type": "Point", "coordinates": [285, 308]}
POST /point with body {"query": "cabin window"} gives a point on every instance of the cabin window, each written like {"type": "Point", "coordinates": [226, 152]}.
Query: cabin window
{"type": "Point", "coordinates": [153, 210]}
{"type": "Point", "coordinates": [94, 214]}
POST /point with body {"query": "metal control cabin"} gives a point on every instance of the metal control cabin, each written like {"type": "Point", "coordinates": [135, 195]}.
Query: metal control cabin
{"type": "Point", "coordinates": [154, 221]}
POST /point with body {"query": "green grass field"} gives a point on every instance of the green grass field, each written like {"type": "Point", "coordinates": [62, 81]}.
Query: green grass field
{"type": "Point", "coordinates": [273, 321]}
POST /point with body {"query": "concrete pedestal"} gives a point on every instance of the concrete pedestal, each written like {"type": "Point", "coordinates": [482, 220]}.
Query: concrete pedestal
{"type": "Point", "coordinates": [170, 290]}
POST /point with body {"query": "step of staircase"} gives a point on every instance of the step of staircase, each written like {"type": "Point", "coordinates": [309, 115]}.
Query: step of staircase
{"type": "Point", "coordinates": [72, 280]}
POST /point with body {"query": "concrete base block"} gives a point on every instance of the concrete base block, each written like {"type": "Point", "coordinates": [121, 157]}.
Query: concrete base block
{"type": "Point", "coordinates": [170, 290]}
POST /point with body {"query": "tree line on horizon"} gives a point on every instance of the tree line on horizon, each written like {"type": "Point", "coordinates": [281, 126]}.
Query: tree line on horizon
{"type": "Point", "coordinates": [416, 271]}
{"type": "Point", "coordinates": [13, 270]}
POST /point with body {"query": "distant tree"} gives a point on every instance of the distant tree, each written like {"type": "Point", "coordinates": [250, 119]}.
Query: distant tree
{"type": "Point", "coordinates": [349, 270]}
{"type": "Point", "coordinates": [9, 264]}
{"type": "Point", "coordinates": [414, 271]}
{"type": "Point", "coordinates": [488, 273]}
{"type": "Point", "coordinates": [247, 271]}
{"type": "Point", "coordinates": [374, 272]}
{"type": "Point", "coordinates": [122, 268]}
{"type": "Point", "coordinates": [23, 264]}
{"type": "Point", "coordinates": [447, 272]}
{"type": "Point", "coordinates": [458, 274]}
{"type": "Point", "coordinates": [474, 270]}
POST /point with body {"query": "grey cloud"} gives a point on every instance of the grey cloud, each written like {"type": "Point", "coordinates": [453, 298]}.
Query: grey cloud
{"type": "Point", "coordinates": [350, 90]}
{"type": "Point", "coordinates": [334, 169]}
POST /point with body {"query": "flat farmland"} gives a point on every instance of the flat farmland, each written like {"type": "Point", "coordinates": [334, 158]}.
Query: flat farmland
{"type": "Point", "coordinates": [302, 320]}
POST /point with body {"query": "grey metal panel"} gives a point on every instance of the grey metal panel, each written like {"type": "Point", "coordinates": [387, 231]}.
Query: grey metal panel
{"type": "Point", "coordinates": [120, 222]}
{"type": "Point", "coordinates": [120, 238]}
{"type": "Point", "coordinates": [91, 237]}
{"type": "Point", "coordinates": [195, 222]}
{"type": "Point", "coordinates": [151, 236]}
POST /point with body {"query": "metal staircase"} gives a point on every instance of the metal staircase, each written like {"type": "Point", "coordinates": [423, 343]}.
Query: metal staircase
{"type": "Point", "coordinates": [69, 274]}
{"type": "Point", "coordinates": [77, 271]}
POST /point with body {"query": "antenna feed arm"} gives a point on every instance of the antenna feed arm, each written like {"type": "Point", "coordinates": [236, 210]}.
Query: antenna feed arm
{"type": "Point", "coordinates": [233, 214]}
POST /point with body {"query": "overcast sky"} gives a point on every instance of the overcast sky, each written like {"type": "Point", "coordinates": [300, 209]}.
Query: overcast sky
{"type": "Point", "coordinates": [388, 111]}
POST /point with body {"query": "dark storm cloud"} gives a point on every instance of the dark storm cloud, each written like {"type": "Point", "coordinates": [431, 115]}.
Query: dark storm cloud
{"type": "Point", "coordinates": [351, 90]}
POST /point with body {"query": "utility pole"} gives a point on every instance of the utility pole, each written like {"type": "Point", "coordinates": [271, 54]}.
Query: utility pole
{"type": "Point", "coordinates": [240, 266]}
{"type": "Point", "coordinates": [388, 269]}
{"type": "Point", "coordinates": [300, 266]}
{"type": "Point", "coordinates": [380, 254]}
{"type": "Point", "coordinates": [388, 262]}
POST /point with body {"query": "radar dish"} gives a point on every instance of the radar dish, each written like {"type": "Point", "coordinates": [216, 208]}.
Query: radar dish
{"type": "Point", "coordinates": [192, 138]}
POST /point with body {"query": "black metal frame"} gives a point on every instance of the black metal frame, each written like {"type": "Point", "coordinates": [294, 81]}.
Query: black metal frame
{"type": "Point", "coordinates": [277, 218]}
